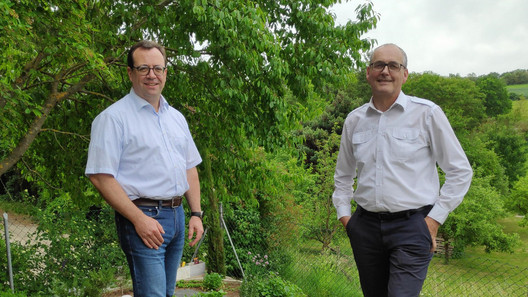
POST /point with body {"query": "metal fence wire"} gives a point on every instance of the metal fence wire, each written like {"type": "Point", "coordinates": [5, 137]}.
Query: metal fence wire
{"type": "Point", "coordinates": [305, 265]}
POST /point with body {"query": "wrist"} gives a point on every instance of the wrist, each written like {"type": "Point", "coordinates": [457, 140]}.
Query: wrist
{"type": "Point", "coordinates": [198, 214]}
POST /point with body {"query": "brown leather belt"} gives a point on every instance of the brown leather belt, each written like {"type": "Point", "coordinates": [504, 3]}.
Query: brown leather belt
{"type": "Point", "coordinates": [172, 202]}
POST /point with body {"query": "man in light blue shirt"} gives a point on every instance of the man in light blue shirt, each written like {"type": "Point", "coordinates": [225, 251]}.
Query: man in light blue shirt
{"type": "Point", "coordinates": [142, 159]}
{"type": "Point", "coordinates": [392, 145]}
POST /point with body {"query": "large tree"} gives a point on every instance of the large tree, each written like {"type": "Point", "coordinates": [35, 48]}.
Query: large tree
{"type": "Point", "coordinates": [230, 65]}
{"type": "Point", "coordinates": [459, 97]}
{"type": "Point", "coordinates": [496, 97]}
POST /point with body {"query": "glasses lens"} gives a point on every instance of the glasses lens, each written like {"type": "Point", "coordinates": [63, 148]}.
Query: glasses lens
{"type": "Point", "coordinates": [393, 66]}
{"type": "Point", "coordinates": [158, 69]}
{"type": "Point", "coordinates": [142, 69]}
{"type": "Point", "coordinates": [378, 66]}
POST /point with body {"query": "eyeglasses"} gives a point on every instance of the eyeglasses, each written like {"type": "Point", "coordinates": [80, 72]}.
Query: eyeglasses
{"type": "Point", "coordinates": [379, 66]}
{"type": "Point", "coordinates": [144, 69]}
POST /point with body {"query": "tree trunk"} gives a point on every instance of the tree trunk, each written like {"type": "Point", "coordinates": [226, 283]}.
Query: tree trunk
{"type": "Point", "coordinates": [216, 253]}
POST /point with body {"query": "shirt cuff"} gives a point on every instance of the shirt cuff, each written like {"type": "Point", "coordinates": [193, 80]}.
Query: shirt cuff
{"type": "Point", "coordinates": [438, 213]}
{"type": "Point", "coordinates": [344, 211]}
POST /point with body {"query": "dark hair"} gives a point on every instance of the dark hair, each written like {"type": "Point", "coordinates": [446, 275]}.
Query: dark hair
{"type": "Point", "coordinates": [146, 44]}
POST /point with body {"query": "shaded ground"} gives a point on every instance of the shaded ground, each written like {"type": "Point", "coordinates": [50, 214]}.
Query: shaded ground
{"type": "Point", "coordinates": [21, 227]}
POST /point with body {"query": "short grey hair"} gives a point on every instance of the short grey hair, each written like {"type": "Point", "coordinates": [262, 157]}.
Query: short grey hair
{"type": "Point", "coordinates": [404, 55]}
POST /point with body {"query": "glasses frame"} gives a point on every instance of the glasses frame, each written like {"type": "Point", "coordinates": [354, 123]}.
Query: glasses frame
{"type": "Point", "coordinates": [387, 65]}
{"type": "Point", "coordinates": [149, 69]}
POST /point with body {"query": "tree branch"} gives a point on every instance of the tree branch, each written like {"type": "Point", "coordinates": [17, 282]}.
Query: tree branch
{"type": "Point", "coordinates": [37, 124]}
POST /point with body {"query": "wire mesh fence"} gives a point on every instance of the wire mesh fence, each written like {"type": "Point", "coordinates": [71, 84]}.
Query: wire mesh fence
{"type": "Point", "coordinates": [318, 273]}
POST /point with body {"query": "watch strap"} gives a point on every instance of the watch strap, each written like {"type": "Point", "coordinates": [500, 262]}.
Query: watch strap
{"type": "Point", "coordinates": [197, 214]}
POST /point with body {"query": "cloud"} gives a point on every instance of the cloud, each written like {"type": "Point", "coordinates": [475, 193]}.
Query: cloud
{"type": "Point", "coordinates": [452, 36]}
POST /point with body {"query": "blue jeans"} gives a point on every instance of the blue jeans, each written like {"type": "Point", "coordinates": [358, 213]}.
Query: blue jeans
{"type": "Point", "coordinates": [154, 271]}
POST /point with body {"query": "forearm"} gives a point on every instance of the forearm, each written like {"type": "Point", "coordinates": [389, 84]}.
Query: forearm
{"type": "Point", "coordinates": [193, 194]}
{"type": "Point", "coordinates": [115, 196]}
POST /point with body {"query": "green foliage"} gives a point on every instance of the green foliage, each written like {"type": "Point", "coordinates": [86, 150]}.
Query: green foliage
{"type": "Point", "coordinates": [11, 294]}
{"type": "Point", "coordinates": [509, 143]}
{"type": "Point", "coordinates": [496, 98]}
{"type": "Point", "coordinates": [213, 281]}
{"type": "Point", "coordinates": [516, 77]}
{"type": "Point", "coordinates": [325, 274]}
{"type": "Point", "coordinates": [270, 285]}
{"type": "Point", "coordinates": [486, 160]}
{"type": "Point", "coordinates": [92, 285]}
{"type": "Point", "coordinates": [20, 261]}
{"type": "Point", "coordinates": [189, 284]}
{"type": "Point", "coordinates": [517, 201]}
{"type": "Point", "coordinates": [72, 250]}
{"type": "Point", "coordinates": [240, 72]}
{"type": "Point", "coordinates": [474, 222]}
{"type": "Point", "coordinates": [251, 235]}
{"type": "Point", "coordinates": [460, 98]}
{"type": "Point", "coordinates": [321, 144]}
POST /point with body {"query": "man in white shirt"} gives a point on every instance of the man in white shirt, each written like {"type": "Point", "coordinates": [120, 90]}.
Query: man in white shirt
{"type": "Point", "coordinates": [392, 145]}
{"type": "Point", "coordinates": [142, 159]}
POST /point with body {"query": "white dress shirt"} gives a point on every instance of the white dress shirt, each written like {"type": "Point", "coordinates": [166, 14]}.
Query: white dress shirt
{"type": "Point", "coordinates": [393, 155]}
{"type": "Point", "coordinates": [148, 152]}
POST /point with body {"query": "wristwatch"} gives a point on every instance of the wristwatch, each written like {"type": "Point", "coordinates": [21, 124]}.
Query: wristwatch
{"type": "Point", "coordinates": [197, 214]}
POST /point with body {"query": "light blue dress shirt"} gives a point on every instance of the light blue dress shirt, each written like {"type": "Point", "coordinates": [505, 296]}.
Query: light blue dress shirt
{"type": "Point", "coordinates": [394, 156]}
{"type": "Point", "coordinates": [148, 152]}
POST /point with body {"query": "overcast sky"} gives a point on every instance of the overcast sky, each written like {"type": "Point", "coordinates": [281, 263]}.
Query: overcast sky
{"type": "Point", "coordinates": [451, 36]}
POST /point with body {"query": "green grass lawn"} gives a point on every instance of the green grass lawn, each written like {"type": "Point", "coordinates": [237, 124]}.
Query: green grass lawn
{"type": "Point", "coordinates": [519, 89]}
{"type": "Point", "coordinates": [483, 274]}
{"type": "Point", "coordinates": [477, 273]}
{"type": "Point", "coordinates": [520, 255]}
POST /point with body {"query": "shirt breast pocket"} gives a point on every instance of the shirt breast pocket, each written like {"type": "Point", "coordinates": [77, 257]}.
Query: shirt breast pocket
{"type": "Point", "coordinates": [405, 143]}
{"type": "Point", "coordinates": [179, 144]}
{"type": "Point", "coordinates": [363, 146]}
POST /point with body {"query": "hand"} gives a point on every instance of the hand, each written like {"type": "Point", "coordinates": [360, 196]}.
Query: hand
{"type": "Point", "coordinates": [150, 231]}
{"type": "Point", "coordinates": [433, 226]}
{"type": "Point", "coordinates": [195, 226]}
{"type": "Point", "coordinates": [344, 220]}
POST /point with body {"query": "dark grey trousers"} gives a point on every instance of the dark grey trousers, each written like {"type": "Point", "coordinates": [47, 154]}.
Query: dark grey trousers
{"type": "Point", "coordinates": [392, 254]}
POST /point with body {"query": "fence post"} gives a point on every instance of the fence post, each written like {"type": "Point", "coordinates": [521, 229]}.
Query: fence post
{"type": "Point", "coordinates": [8, 249]}
{"type": "Point", "coordinates": [230, 241]}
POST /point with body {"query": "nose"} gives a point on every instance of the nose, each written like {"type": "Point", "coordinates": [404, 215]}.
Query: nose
{"type": "Point", "coordinates": [385, 69]}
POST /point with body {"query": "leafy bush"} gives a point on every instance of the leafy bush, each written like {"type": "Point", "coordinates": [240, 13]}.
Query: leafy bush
{"type": "Point", "coordinates": [11, 294]}
{"type": "Point", "coordinates": [269, 285]}
{"type": "Point", "coordinates": [71, 249]}
{"type": "Point", "coordinates": [212, 281]}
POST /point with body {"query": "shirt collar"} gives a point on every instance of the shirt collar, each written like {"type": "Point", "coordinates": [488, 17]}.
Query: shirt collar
{"type": "Point", "coordinates": [142, 103]}
{"type": "Point", "coordinates": [402, 101]}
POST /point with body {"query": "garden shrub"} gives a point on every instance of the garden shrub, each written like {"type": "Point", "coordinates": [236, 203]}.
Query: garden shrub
{"type": "Point", "coordinates": [212, 281]}
{"type": "Point", "coordinates": [269, 285]}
